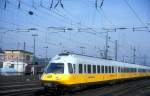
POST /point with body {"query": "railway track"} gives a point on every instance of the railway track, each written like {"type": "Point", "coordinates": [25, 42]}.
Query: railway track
{"type": "Point", "coordinates": [128, 88]}
{"type": "Point", "coordinates": [20, 88]}
{"type": "Point", "coordinates": [121, 89]}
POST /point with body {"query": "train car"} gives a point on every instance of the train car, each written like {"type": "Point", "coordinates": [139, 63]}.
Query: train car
{"type": "Point", "coordinates": [34, 69]}
{"type": "Point", "coordinates": [73, 70]}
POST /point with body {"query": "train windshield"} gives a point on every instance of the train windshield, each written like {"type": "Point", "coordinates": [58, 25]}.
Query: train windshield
{"type": "Point", "coordinates": [55, 68]}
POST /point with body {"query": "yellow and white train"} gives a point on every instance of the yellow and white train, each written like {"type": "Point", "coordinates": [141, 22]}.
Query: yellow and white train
{"type": "Point", "coordinates": [69, 69]}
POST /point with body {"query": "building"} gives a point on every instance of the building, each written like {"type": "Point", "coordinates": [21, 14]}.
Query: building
{"type": "Point", "coordinates": [18, 56]}
{"type": "Point", "coordinates": [17, 66]}
{"type": "Point", "coordinates": [2, 55]}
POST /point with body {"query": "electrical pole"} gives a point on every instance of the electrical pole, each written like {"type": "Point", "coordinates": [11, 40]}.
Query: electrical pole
{"type": "Point", "coordinates": [106, 42]}
{"type": "Point", "coordinates": [18, 45]}
{"type": "Point", "coordinates": [24, 46]}
{"type": "Point", "coordinates": [116, 50]}
{"type": "Point", "coordinates": [145, 57]}
{"type": "Point", "coordinates": [34, 35]}
{"type": "Point", "coordinates": [82, 50]}
{"type": "Point", "coordinates": [134, 55]}
{"type": "Point", "coordinates": [106, 46]}
{"type": "Point", "coordinates": [46, 55]}
{"type": "Point", "coordinates": [1, 39]}
{"type": "Point", "coordinates": [123, 58]}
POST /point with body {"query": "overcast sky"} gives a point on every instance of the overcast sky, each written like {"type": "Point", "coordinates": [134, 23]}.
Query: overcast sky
{"type": "Point", "coordinates": [76, 14]}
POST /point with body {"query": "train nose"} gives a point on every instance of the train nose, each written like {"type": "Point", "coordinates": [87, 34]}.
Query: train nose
{"type": "Point", "coordinates": [51, 77]}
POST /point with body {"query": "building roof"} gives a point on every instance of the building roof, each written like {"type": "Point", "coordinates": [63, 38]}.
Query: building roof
{"type": "Point", "coordinates": [21, 51]}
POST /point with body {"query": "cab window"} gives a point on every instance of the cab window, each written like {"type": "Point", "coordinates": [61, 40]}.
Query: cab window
{"type": "Point", "coordinates": [55, 68]}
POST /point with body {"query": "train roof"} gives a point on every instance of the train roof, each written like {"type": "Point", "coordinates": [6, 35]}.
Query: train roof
{"type": "Point", "coordinates": [73, 57]}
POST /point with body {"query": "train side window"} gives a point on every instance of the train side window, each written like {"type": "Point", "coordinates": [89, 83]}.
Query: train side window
{"type": "Point", "coordinates": [102, 69]}
{"type": "Point", "coordinates": [85, 69]}
{"type": "Point", "coordinates": [112, 69]}
{"type": "Point", "coordinates": [94, 68]}
{"type": "Point", "coordinates": [80, 68]}
{"type": "Point", "coordinates": [106, 69]}
{"type": "Point", "coordinates": [118, 69]}
{"type": "Point", "coordinates": [98, 69]}
{"type": "Point", "coordinates": [70, 69]}
{"type": "Point", "coordinates": [109, 67]}
{"type": "Point", "coordinates": [89, 68]}
{"type": "Point", "coordinates": [122, 69]}
{"type": "Point", "coordinates": [127, 70]}
{"type": "Point", "coordinates": [135, 70]}
{"type": "Point", "coordinates": [74, 67]}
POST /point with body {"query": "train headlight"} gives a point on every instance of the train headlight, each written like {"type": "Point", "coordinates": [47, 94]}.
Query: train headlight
{"type": "Point", "coordinates": [58, 78]}
{"type": "Point", "coordinates": [49, 76]}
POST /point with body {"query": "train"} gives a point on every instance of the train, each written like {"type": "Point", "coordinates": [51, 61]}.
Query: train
{"type": "Point", "coordinates": [70, 70]}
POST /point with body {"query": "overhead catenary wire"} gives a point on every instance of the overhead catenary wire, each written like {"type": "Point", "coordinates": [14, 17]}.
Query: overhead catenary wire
{"type": "Point", "coordinates": [72, 20]}
{"type": "Point", "coordinates": [135, 13]}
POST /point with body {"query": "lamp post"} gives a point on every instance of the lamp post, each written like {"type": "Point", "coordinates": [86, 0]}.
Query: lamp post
{"type": "Point", "coordinates": [34, 36]}
{"type": "Point", "coordinates": [46, 55]}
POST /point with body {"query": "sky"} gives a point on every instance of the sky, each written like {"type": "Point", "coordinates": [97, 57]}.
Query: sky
{"type": "Point", "coordinates": [77, 14]}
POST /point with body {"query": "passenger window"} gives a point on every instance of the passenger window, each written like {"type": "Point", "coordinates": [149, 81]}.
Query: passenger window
{"type": "Point", "coordinates": [118, 69]}
{"type": "Point", "coordinates": [11, 66]}
{"type": "Point", "coordinates": [80, 68]}
{"type": "Point", "coordinates": [70, 68]}
{"type": "Point", "coordinates": [106, 69]}
{"type": "Point", "coordinates": [85, 69]}
{"type": "Point", "coordinates": [103, 69]}
{"type": "Point", "coordinates": [112, 69]}
{"type": "Point", "coordinates": [121, 69]}
{"type": "Point", "coordinates": [94, 68]}
{"type": "Point", "coordinates": [98, 69]}
{"type": "Point", "coordinates": [89, 68]}
{"type": "Point", "coordinates": [74, 68]}
{"type": "Point", "coordinates": [109, 69]}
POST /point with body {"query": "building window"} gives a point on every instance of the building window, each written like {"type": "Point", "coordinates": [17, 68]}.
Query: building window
{"type": "Point", "coordinates": [28, 58]}
{"type": "Point", "coordinates": [1, 64]}
{"type": "Point", "coordinates": [11, 66]}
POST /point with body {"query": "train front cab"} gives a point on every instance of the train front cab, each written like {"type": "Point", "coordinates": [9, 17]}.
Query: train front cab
{"type": "Point", "coordinates": [56, 75]}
